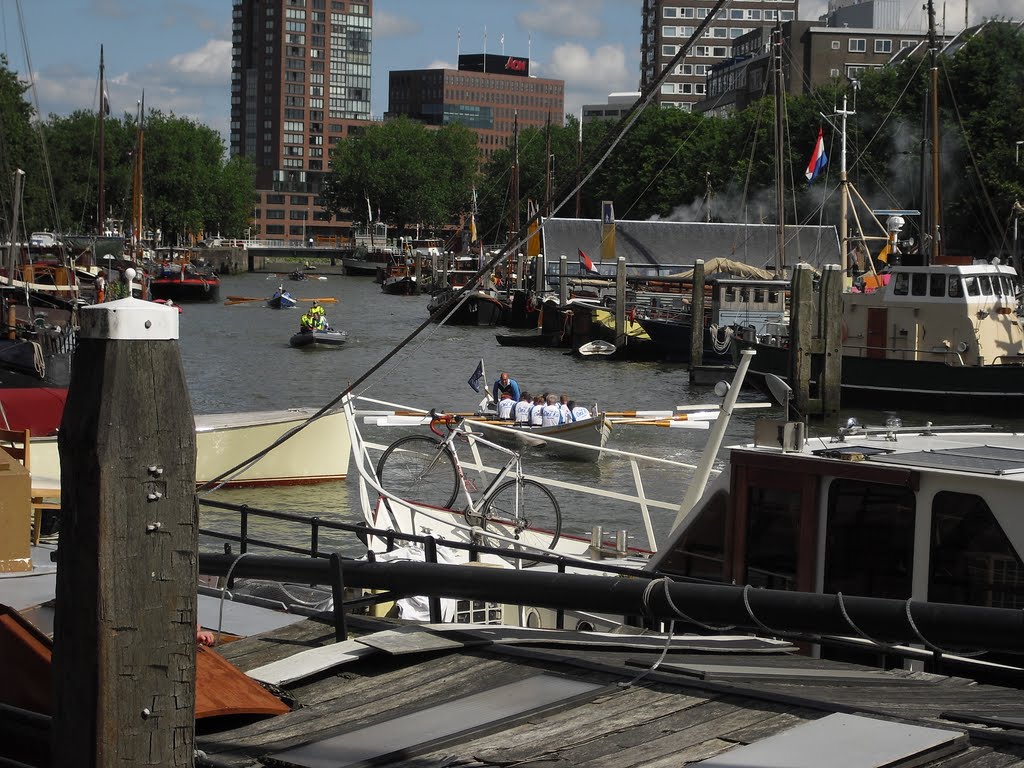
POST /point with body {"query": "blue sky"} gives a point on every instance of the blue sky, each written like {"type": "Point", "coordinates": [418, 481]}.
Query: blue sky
{"type": "Point", "coordinates": [179, 51]}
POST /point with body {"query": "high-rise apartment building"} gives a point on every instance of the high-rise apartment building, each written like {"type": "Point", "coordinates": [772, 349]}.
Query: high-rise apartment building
{"type": "Point", "coordinates": [668, 24]}
{"type": "Point", "coordinates": [487, 94]}
{"type": "Point", "coordinates": [300, 82]}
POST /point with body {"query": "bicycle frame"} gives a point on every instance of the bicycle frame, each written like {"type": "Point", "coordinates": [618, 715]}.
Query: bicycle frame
{"type": "Point", "coordinates": [514, 460]}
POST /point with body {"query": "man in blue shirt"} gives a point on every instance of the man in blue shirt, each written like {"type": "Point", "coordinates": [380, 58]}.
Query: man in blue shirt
{"type": "Point", "coordinates": [505, 388]}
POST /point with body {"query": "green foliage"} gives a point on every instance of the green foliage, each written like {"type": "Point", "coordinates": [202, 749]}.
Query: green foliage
{"type": "Point", "coordinates": [188, 185]}
{"type": "Point", "coordinates": [411, 174]}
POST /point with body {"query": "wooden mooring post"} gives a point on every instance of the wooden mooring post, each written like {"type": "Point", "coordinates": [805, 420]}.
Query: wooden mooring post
{"type": "Point", "coordinates": [125, 625]}
{"type": "Point", "coordinates": [620, 302]}
{"type": "Point", "coordinates": [563, 281]}
{"type": "Point", "coordinates": [811, 354]}
{"type": "Point", "coordinates": [697, 316]}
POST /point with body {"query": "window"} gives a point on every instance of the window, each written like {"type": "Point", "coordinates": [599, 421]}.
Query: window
{"type": "Point", "coordinates": [754, 14]}
{"type": "Point", "coordinates": [669, 13]}
{"type": "Point", "coordinates": [883, 46]}
{"type": "Point", "coordinates": [972, 561]}
{"type": "Point", "coordinates": [773, 535]}
{"type": "Point", "coordinates": [700, 552]}
{"type": "Point", "coordinates": [971, 284]}
{"type": "Point", "coordinates": [919, 284]}
{"type": "Point", "coordinates": [938, 286]}
{"type": "Point", "coordinates": [736, 14]}
{"type": "Point", "coordinates": [907, 43]}
{"type": "Point", "coordinates": [955, 289]}
{"type": "Point", "coordinates": [835, 45]}
{"type": "Point", "coordinates": [668, 50]}
{"type": "Point", "coordinates": [869, 543]}
{"type": "Point", "coordinates": [833, 73]}
{"type": "Point", "coordinates": [858, 45]}
{"type": "Point", "coordinates": [901, 285]}
{"type": "Point", "coordinates": [786, 15]}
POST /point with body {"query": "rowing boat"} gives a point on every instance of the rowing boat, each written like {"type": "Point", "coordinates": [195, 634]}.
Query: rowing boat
{"type": "Point", "coordinates": [581, 437]}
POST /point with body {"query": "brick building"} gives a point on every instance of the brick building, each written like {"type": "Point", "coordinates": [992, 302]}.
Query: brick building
{"type": "Point", "coordinates": [300, 82]}
{"type": "Point", "coordinates": [486, 94]}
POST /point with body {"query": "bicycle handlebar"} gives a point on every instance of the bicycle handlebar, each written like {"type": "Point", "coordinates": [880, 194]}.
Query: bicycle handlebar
{"type": "Point", "coordinates": [451, 421]}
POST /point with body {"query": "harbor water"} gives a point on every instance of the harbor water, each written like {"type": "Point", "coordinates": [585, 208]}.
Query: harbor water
{"type": "Point", "coordinates": [237, 358]}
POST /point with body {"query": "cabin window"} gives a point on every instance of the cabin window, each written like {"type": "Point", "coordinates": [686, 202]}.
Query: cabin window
{"type": "Point", "coordinates": [955, 289]}
{"type": "Point", "coordinates": [971, 286]}
{"type": "Point", "coordinates": [700, 552]}
{"type": "Point", "coordinates": [730, 293]}
{"type": "Point", "coordinates": [773, 537]}
{"type": "Point", "coordinates": [758, 296]}
{"type": "Point", "coordinates": [744, 295]}
{"type": "Point", "coordinates": [972, 561]}
{"type": "Point", "coordinates": [901, 284]}
{"type": "Point", "coordinates": [919, 284]}
{"type": "Point", "coordinates": [1008, 288]}
{"type": "Point", "coordinates": [773, 297]}
{"type": "Point", "coordinates": [986, 285]}
{"type": "Point", "coordinates": [938, 286]}
{"type": "Point", "coordinates": [869, 547]}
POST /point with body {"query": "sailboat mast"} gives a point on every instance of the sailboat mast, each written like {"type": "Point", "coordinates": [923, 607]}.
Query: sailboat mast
{"type": "Point", "coordinates": [844, 197]}
{"type": "Point", "coordinates": [515, 173]}
{"type": "Point", "coordinates": [137, 182]}
{"type": "Point", "coordinates": [579, 163]}
{"type": "Point", "coordinates": [934, 252]}
{"type": "Point", "coordinates": [780, 97]}
{"type": "Point", "coordinates": [101, 203]}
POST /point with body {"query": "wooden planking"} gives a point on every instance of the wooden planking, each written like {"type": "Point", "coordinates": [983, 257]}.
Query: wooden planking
{"type": "Point", "coordinates": [271, 646]}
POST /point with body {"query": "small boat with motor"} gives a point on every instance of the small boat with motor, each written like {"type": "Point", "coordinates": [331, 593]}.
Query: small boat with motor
{"type": "Point", "coordinates": [281, 299]}
{"type": "Point", "coordinates": [318, 338]}
{"type": "Point", "coordinates": [597, 348]}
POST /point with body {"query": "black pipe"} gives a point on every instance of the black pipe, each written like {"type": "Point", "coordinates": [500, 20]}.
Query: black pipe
{"type": "Point", "coordinates": [940, 625]}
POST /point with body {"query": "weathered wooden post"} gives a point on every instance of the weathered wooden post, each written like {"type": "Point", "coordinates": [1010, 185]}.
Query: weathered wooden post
{"type": "Point", "coordinates": [125, 626]}
{"type": "Point", "coordinates": [801, 343]}
{"type": "Point", "coordinates": [418, 274]}
{"type": "Point", "coordinates": [563, 281]}
{"type": "Point", "coordinates": [697, 316]}
{"type": "Point", "coordinates": [830, 310]}
{"type": "Point", "coordinates": [620, 302]}
{"type": "Point", "coordinates": [541, 282]}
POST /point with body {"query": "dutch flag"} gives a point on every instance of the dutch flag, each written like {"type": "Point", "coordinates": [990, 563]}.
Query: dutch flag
{"type": "Point", "coordinates": [818, 159]}
{"type": "Point", "coordinates": [585, 263]}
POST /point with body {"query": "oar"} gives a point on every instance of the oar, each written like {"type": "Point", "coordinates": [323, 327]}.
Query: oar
{"type": "Point", "coordinates": [240, 299]}
{"type": "Point", "coordinates": [328, 300]}
{"type": "Point", "coordinates": [642, 414]}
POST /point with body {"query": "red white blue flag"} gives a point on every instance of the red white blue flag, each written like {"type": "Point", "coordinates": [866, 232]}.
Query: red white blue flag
{"type": "Point", "coordinates": [818, 159]}
{"type": "Point", "coordinates": [586, 264]}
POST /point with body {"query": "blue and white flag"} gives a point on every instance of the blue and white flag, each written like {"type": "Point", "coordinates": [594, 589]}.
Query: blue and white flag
{"type": "Point", "coordinates": [477, 377]}
{"type": "Point", "coordinates": [818, 159]}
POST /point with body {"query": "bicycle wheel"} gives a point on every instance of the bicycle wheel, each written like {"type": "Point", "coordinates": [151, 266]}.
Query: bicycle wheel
{"type": "Point", "coordinates": [538, 510]}
{"type": "Point", "coordinates": [420, 469]}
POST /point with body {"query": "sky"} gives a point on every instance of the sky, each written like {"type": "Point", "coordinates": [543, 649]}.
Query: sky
{"type": "Point", "coordinates": [179, 51]}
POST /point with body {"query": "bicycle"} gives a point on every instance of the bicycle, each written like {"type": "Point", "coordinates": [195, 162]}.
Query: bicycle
{"type": "Point", "coordinates": [426, 470]}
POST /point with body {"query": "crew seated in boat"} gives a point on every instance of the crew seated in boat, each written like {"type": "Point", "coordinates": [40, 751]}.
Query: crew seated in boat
{"type": "Point", "coordinates": [578, 412]}
{"type": "Point", "coordinates": [563, 406]}
{"type": "Point", "coordinates": [551, 413]}
{"type": "Point", "coordinates": [536, 419]}
{"type": "Point", "coordinates": [314, 320]}
{"type": "Point", "coordinates": [522, 409]}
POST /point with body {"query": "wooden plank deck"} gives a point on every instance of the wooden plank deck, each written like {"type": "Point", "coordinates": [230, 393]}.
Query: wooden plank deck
{"type": "Point", "coordinates": [665, 719]}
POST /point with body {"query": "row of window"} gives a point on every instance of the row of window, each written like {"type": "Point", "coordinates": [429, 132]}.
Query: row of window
{"type": "Point", "coordinates": [860, 45]}
{"type": "Point", "coordinates": [716, 52]}
{"type": "Point", "coordinates": [684, 88]}
{"type": "Point", "coordinates": [940, 286]}
{"type": "Point", "coordinates": [731, 13]}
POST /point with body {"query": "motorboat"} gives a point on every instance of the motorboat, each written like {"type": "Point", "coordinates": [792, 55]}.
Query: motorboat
{"type": "Point", "coordinates": [327, 338]}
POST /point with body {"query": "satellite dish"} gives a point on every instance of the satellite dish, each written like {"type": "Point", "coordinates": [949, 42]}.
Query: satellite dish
{"type": "Point", "coordinates": [780, 390]}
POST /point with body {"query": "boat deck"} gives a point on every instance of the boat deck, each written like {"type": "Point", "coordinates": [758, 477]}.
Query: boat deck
{"type": "Point", "coordinates": [429, 699]}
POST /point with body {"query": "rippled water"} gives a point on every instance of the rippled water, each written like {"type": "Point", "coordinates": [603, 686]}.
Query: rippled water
{"type": "Point", "coordinates": [238, 358]}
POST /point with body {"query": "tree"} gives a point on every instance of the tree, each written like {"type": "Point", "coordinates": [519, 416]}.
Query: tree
{"type": "Point", "coordinates": [407, 172]}
{"type": "Point", "coordinates": [19, 149]}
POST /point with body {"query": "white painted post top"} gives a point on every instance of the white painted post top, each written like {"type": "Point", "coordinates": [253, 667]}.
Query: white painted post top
{"type": "Point", "coordinates": [129, 319]}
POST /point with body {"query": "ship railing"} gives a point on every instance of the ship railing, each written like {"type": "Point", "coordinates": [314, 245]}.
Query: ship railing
{"type": "Point", "coordinates": [323, 546]}
{"type": "Point", "coordinates": [571, 495]}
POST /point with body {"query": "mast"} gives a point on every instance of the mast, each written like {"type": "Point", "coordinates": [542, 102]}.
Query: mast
{"type": "Point", "coordinates": [579, 163]}
{"type": "Point", "coordinates": [101, 205]}
{"type": "Point", "coordinates": [934, 252]}
{"type": "Point", "coordinates": [137, 182]}
{"type": "Point", "coordinates": [515, 174]}
{"type": "Point", "coordinates": [548, 169]}
{"type": "Point", "coordinates": [844, 197]}
{"type": "Point", "coordinates": [780, 97]}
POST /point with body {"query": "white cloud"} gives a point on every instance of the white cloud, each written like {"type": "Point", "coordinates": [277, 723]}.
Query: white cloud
{"type": "Point", "coordinates": [567, 18]}
{"type": "Point", "coordinates": [440, 64]}
{"type": "Point", "coordinates": [208, 65]}
{"type": "Point", "coordinates": [390, 25]}
{"type": "Point", "coordinates": [589, 76]}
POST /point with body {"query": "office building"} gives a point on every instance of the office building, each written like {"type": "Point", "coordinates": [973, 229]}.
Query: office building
{"type": "Point", "coordinates": [812, 55]}
{"type": "Point", "coordinates": [300, 82]}
{"type": "Point", "coordinates": [668, 24]}
{"type": "Point", "coordinates": [617, 106]}
{"type": "Point", "coordinates": [487, 94]}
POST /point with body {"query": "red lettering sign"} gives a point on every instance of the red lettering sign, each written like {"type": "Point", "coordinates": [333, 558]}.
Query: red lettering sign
{"type": "Point", "coordinates": [515, 65]}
